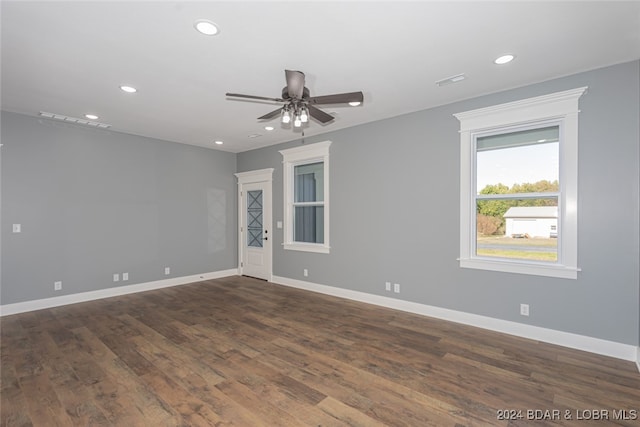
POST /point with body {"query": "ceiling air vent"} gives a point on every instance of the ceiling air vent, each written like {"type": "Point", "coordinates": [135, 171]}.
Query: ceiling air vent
{"type": "Point", "coordinates": [75, 120]}
{"type": "Point", "coordinates": [453, 79]}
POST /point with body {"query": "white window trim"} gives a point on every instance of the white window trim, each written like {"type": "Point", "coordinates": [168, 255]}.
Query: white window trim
{"type": "Point", "coordinates": [561, 107]}
{"type": "Point", "coordinates": [292, 157]}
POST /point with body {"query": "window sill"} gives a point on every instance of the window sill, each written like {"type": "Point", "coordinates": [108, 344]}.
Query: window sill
{"type": "Point", "coordinates": [559, 271]}
{"type": "Point", "coordinates": [307, 247]}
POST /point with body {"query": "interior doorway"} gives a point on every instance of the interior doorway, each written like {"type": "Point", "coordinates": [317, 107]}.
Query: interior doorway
{"type": "Point", "coordinates": [255, 234]}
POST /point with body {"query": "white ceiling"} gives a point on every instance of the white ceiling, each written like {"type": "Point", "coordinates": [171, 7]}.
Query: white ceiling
{"type": "Point", "coordinates": [70, 58]}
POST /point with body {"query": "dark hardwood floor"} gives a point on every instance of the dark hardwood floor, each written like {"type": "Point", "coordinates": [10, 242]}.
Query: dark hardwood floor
{"type": "Point", "coordinates": [244, 352]}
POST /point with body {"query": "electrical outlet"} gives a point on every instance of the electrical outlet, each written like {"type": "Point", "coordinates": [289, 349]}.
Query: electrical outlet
{"type": "Point", "coordinates": [57, 285]}
{"type": "Point", "coordinates": [125, 276]}
{"type": "Point", "coordinates": [524, 309]}
{"type": "Point", "coordinates": [116, 277]}
{"type": "Point", "coordinates": [396, 288]}
{"type": "Point", "coordinates": [305, 272]}
{"type": "Point", "coordinates": [167, 271]}
{"type": "Point", "coordinates": [387, 286]}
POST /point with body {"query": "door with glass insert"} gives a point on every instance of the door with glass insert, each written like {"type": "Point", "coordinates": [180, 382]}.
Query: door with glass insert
{"type": "Point", "coordinates": [256, 250]}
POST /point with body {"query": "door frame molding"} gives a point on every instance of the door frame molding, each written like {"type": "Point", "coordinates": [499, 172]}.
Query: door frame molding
{"type": "Point", "coordinates": [253, 177]}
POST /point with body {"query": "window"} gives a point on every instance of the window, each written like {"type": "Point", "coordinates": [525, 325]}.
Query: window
{"type": "Point", "coordinates": [518, 186]}
{"type": "Point", "coordinates": [517, 193]}
{"type": "Point", "coordinates": [306, 194]}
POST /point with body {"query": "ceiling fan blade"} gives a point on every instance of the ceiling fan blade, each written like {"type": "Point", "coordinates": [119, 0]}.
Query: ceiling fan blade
{"type": "Point", "coordinates": [262, 98]}
{"type": "Point", "coordinates": [319, 115]}
{"type": "Point", "coordinates": [271, 115]}
{"type": "Point", "coordinates": [295, 83]}
{"type": "Point", "coordinates": [338, 98]}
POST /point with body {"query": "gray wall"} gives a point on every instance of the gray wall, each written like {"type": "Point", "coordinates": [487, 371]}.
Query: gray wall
{"type": "Point", "coordinates": [93, 203]}
{"type": "Point", "coordinates": [395, 214]}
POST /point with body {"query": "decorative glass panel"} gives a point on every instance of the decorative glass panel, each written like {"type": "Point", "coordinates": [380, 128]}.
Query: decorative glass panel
{"type": "Point", "coordinates": [254, 218]}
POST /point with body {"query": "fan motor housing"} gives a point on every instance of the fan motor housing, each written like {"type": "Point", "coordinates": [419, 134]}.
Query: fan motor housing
{"type": "Point", "coordinates": [285, 93]}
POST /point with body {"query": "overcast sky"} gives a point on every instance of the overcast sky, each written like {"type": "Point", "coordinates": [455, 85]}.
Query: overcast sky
{"type": "Point", "coordinates": [517, 165]}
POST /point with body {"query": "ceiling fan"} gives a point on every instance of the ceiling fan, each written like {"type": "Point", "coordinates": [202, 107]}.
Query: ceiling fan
{"type": "Point", "coordinates": [299, 105]}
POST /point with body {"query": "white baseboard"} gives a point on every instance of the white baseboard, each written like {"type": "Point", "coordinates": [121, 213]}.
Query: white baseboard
{"type": "Point", "coordinates": [22, 307]}
{"type": "Point", "coordinates": [565, 339]}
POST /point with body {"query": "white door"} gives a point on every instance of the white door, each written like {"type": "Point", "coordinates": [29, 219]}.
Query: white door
{"type": "Point", "coordinates": [255, 235]}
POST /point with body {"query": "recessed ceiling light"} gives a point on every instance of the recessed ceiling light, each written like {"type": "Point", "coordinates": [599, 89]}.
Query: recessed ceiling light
{"type": "Point", "coordinates": [355, 103]}
{"type": "Point", "coordinates": [207, 28]}
{"type": "Point", "coordinates": [128, 89]}
{"type": "Point", "coordinates": [504, 59]}
{"type": "Point", "coordinates": [218, 142]}
{"type": "Point", "coordinates": [269, 128]}
{"type": "Point", "coordinates": [91, 116]}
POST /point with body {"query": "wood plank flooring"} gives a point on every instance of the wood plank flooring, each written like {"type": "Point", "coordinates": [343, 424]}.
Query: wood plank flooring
{"type": "Point", "coordinates": [243, 352]}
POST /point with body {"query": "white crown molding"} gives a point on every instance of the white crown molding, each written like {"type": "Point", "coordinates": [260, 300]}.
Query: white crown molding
{"type": "Point", "coordinates": [565, 339]}
{"type": "Point", "coordinates": [23, 307]}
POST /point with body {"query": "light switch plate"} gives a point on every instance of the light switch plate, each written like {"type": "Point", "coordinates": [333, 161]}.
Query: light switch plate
{"type": "Point", "coordinates": [17, 228]}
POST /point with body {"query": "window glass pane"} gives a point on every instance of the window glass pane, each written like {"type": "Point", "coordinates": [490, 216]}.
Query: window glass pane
{"type": "Point", "coordinates": [308, 184]}
{"type": "Point", "coordinates": [518, 162]}
{"type": "Point", "coordinates": [309, 224]}
{"type": "Point", "coordinates": [518, 229]}
{"type": "Point", "coordinates": [520, 138]}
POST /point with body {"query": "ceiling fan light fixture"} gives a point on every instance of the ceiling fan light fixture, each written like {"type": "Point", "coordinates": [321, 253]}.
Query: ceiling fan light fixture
{"type": "Point", "coordinates": [304, 115]}
{"type": "Point", "coordinates": [206, 27]}
{"type": "Point", "coordinates": [299, 106]}
{"type": "Point", "coordinates": [286, 116]}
